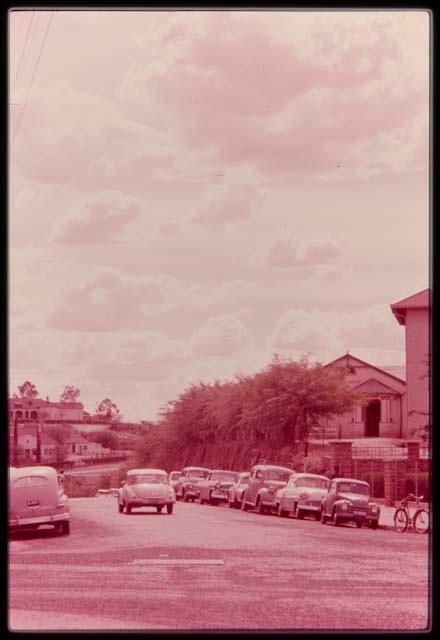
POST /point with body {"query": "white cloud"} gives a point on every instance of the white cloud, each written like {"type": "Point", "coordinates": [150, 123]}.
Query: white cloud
{"type": "Point", "coordinates": [221, 336]}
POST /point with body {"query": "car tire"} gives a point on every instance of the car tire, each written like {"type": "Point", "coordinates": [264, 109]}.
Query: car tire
{"type": "Point", "coordinates": [170, 508]}
{"type": "Point", "coordinates": [358, 523]}
{"type": "Point", "coordinates": [374, 524]}
{"type": "Point", "coordinates": [120, 507]}
{"type": "Point", "coordinates": [260, 507]}
{"type": "Point", "coordinates": [185, 497]}
{"type": "Point", "coordinates": [318, 516]}
{"type": "Point", "coordinates": [231, 505]}
{"type": "Point", "coordinates": [159, 508]}
{"type": "Point", "coordinates": [244, 506]}
{"type": "Point", "coordinates": [335, 519]}
{"type": "Point", "coordinates": [65, 528]}
{"type": "Point", "coordinates": [323, 517]}
{"type": "Point", "coordinates": [299, 514]}
{"type": "Point", "coordinates": [128, 509]}
{"type": "Point", "coordinates": [282, 513]}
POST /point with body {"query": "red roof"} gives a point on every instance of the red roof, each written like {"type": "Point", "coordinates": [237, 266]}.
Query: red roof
{"type": "Point", "coordinates": [349, 355]}
{"type": "Point", "coordinates": [420, 300]}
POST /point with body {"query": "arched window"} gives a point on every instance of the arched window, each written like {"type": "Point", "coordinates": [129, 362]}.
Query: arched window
{"type": "Point", "coordinates": [19, 415]}
{"type": "Point", "coordinates": [34, 415]}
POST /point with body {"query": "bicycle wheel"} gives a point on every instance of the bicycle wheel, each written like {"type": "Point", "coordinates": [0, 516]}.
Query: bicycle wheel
{"type": "Point", "coordinates": [401, 520]}
{"type": "Point", "coordinates": [421, 521]}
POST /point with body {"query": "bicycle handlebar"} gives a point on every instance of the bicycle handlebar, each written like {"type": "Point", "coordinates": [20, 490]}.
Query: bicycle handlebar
{"type": "Point", "coordinates": [412, 498]}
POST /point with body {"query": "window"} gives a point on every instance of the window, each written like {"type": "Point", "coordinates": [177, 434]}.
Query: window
{"type": "Point", "coordinates": [33, 480]}
{"type": "Point", "coordinates": [259, 474]}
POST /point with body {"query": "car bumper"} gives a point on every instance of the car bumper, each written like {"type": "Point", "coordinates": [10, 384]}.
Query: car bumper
{"type": "Point", "coordinates": [17, 523]}
{"type": "Point", "coordinates": [313, 508]}
{"type": "Point", "coordinates": [221, 496]}
{"type": "Point", "coordinates": [353, 516]}
{"type": "Point", "coordinates": [150, 502]}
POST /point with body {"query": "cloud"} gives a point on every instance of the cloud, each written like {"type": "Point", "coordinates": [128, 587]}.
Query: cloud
{"type": "Point", "coordinates": [285, 252]}
{"type": "Point", "coordinates": [221, 336]}
{"type": "Point", "coordinates": [105, 220]}
{"type": "Point", "coordinates": [223, 205]}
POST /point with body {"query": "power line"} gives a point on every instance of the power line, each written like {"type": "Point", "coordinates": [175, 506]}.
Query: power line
{"type": "Point", "coordinates": [23, 50]}
{"type": "Point", "coordinates": [33, 76]}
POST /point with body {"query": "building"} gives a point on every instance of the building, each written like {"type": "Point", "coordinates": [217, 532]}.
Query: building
{"type": "Point", "coordinates": [414, 314]}
{"type": "Point", "coordinates": [27, 441]}
{"type": "Point", "coordinates": [36, 409]}
{"type": "Point", "coordinates": [379, 413]}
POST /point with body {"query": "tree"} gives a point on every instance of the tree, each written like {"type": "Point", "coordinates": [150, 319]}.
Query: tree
{"type": "Point", "coordinates": [60, 434]}
{"type": "Point", "coordinates": [70, 394]}
{"type": "Point", "coordinates": [27, 390]}
{"type": "Point", "coordinates": [108, 439]}
{"type": "Point", "coordinates": [108, 411]}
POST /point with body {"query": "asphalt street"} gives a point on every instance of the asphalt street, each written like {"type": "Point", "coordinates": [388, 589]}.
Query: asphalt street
{"type": "Point", "coordinates": [206, 567]}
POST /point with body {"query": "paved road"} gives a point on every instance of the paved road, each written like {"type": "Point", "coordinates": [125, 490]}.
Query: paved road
{"type": "Point", "coordinates": [207, 567]}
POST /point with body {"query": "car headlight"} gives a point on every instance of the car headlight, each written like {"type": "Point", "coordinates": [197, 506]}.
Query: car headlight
{"type": "Point", "coordinates": [344, 506]}
{"type": "Point", "coordinates": [374, 508]}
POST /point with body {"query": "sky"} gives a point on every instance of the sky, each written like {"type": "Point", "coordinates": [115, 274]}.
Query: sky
{"type": "Point", "coordinates": [192, 192]}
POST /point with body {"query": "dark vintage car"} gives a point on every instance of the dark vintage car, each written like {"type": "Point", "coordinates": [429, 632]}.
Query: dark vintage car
{"type": "Point", "coordinates": [236, 490]}
{"type": "Point", "coordinates": [348, 500]}
{"type": "Point", "coordinates": [186, 487]}
{"type": "Point", "coordinates": [215, 488]}
{"type": "Point", "coordinates": [264, 481]}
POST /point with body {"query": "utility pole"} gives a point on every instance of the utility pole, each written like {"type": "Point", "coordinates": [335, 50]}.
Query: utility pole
{"type": "Point", "coordinates": [15, 440]}
{"type": "Point", "coordinates": [39, 439]}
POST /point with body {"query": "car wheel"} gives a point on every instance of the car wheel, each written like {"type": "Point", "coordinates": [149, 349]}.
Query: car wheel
{"type": "Point", "coordinates": [358, 523]}
{"type": "Point", "coordinates": [170, 508]}
{"type": "Point", "coordinates": [231, 505]}
{"type": "Point", "coordinates": [244, 506]}
{"type": "Point", "coordinates": [299, 514]}
{"type": "Point", "coordinates": [317, 516]}
{"type": "Point", "coordinates": [120, 507]}
{"type": "Point", "coordinates": [260, 507]}
{"type": "Point", "coordinates": [184, 497]}
{"type": "Point", "coordinates": [323, 517]}
{"type": "Point", "coordinates": [282, 513]}
{"type": "Point", "coordinates": [64, 528]}
{"type": "Point", "coordinates": [128, 508]}
{"type": "Point", "coordinates": [335, 519]}
{"type": "Point", "coordinates": [374, 524]}
{"type": "Point", "coordinates": [159, 508]}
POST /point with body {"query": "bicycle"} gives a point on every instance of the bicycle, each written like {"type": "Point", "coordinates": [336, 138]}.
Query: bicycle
{"type": "Point", "coordinates": [403, 518]}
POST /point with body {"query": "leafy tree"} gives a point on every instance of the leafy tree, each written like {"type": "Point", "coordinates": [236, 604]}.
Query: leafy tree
{"type": "Point", "coordinates": [60, 434]}
{"type": "Point", "coordinates": [70, 394]}
{"type": "Point", "coordinates": [108, 411]}
{"type": "Point", "coordinates": [27, 390]}
{"type": "Point", "coordinates": [108, 439]}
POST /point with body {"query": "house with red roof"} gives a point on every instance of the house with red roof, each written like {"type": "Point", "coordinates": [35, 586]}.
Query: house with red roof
{"type": "Point", "coordinates": [379, 412]}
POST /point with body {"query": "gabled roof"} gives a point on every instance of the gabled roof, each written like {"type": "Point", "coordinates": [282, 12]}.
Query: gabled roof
{"type": "Point", "coordinates": [348, 356]}
{"type": "Point", "coordinates": [374, 386]}
{"type": "Point", "coordinates": [420, 300]}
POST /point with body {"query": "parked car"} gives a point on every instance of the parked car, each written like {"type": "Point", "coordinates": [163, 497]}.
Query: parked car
{"type": "Point", "coordinates": [146, 488]}
{"type": "Point", "coordinates": [264, 481]}
{"type": "Point", "coordinates": [186, 487]}
{"type": "Point", "coordinates": [215, 488]}
{"type": "Point", "coordinates": [349, 500]}
{"type": "Point", "coordinates": [173, 477]}
{"type": "Point", "coordinates": [36, 498]}
{"type": "Point", "coordinates": [303, 495]}
{"type": "Point", "coordinates": [236, 490]}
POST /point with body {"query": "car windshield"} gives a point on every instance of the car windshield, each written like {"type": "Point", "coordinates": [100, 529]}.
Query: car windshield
{"type": "Point", "coordinates": [224, 476]}
{"type": "Point", "coordinates": [175, 475]}
{"type": "Point", "coordinates": [274, 474]}
{"type": "Point", "coordinates": [147, 478]}
{"type": "Point", "coordinates": [197, 473]}
{"type": "Point", "coordinates": [354, 487]}
{"type": "Point", "coordinates": [316, 483]}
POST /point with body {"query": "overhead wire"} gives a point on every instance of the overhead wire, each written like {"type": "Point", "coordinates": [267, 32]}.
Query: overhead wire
{"type": "Point", "coordinates": [23, 50]}
{"type": "Point", "coordinates": [32, 78]}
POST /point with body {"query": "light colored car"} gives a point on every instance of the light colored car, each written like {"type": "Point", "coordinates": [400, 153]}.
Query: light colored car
{"type": "Point", "coordinates": [215, 488]}
{"type": "Point", "coordinates": [303, 495]}
{"type": "Point", "coordinates": [348, 500]}
{"type": "Point", "coordinates": [146, 488]}
{"type": "Point", "coordinates": [186, 487]}
{"type": "Point", "coordinates": [173, 478]}
{"type": "Point", "coordinates": [236, 490]}
{"type": "Point", "coordinates": [36, 498]}
{"type": "Point", "coordinates": [264, 481]}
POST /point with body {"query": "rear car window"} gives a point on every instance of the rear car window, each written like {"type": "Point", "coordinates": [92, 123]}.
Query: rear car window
{"type": "Point", "coordinates": [30, 480]}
